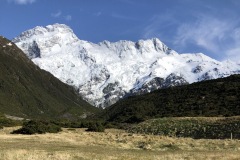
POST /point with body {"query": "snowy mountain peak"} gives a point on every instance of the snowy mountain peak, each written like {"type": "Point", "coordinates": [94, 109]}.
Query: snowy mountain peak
{"type": "Point", "coordinates": [61, 28]}
{"type": "Point", "coordinates": [105, 72]}
{"type": "Point", "coordinates": [152, 44]}
{"type": "Point", "coordinates": [45, 41]}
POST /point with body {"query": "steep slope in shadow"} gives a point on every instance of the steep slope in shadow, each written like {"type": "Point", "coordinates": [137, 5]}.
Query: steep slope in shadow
{"type": "Point", "coordinates": [29, 92]}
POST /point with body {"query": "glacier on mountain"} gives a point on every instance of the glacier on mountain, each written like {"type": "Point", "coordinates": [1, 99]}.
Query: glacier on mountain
{"type": "Point", "coordinates": [105, 72]}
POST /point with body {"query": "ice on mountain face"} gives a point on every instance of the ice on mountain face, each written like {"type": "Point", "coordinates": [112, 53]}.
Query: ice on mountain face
{"type": "Point", "coordinates": [105, 72]}
{"type": "Point", "coordinates": [9, 44]}
{"type": "Point", "coordinates": [158, 83]}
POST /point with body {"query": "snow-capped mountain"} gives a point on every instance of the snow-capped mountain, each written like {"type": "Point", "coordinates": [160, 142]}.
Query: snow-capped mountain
{"type": "Point", "coordinates": [105, 72]}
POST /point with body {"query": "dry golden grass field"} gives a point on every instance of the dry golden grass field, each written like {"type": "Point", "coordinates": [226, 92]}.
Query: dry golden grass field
{"type": "Point", "coordinates": [112, 144]}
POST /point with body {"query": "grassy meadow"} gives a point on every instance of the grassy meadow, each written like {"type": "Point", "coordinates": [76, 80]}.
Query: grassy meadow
{"type": "Point", "coordinates": [111, 144]}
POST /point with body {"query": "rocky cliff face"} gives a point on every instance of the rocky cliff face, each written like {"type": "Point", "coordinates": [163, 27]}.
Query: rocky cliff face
{"type": "Point", "coordinates": [105, 72]}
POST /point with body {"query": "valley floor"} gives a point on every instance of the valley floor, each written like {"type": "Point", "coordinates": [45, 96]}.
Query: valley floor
{"type": "Point", "coordinates": [112, 144]}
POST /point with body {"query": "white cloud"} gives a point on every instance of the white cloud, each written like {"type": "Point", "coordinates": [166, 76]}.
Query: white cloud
{"type": "Point", "coordinates": [120, 16]}
{"type": "Point", "coordinates": [97, 14]}
{"type": "Point", "coordinates": [60, 15]}
{"type": "Point", "coordinates": [131, 2]}
{"type": "Point", "coordinates": [57, 14]}
{"type": "Point", "coordinates": [68, 17]}
{"type": "Point", "coordinates": [233, 53]}
{"type": "Point", "coordinates": [22, 2]}
{"type": "Point", "coordinates": [216, 33]}
{"type": "Point", "coordinates": [158, 24]}
{"type": "Point", "coordinates": [205, 32]}
{"type": "Point", "coordinates": [218, 36]}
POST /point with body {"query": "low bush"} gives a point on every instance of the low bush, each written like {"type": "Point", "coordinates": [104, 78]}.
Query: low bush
{"type": "Point", "coordinates": [6, 122]}
{"type": "Point", "coordinates": [96, 127]}
{"type": "Point", "coordinates": [9, 123]}
{"type": "Point", "coordinates": [39, 127]}
{"type": "Point", "coordinates": [86, 123]}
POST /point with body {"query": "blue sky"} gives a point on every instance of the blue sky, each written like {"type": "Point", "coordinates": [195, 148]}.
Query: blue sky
{"type": "Point", "coordinates": [208, 26]}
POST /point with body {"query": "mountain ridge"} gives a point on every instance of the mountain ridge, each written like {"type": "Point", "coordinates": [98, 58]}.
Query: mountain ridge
{"type": "Point", "coordinates": [29, 92]}
{"type": "Point", "coordinates": [107, 71]}
{"type": "Point", "coordinates": [210, 98]}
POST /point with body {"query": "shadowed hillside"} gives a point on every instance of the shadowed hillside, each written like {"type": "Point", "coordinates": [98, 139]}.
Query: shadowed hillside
{"type": "Point", "coordinates": [29, 92]}
{"type": "Point", "coordinates": [220, 97]}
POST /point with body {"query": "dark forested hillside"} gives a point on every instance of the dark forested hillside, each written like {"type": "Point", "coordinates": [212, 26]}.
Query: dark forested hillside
{"type": "Point", "coordinates": [220, 97]}
{"type": "Point", "coordinates": [29, 92]}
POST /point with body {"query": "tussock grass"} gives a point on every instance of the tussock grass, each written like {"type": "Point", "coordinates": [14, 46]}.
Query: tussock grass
{"type": "Point", "coordinates": [194, 127]}
{"type": "Point", "coordinates": [111, 144]}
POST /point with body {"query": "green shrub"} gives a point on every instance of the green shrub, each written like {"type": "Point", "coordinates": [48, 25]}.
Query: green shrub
{"type": "Point", "coordinates": [40, 127]}
{"type": "Point", "coordinates": [5, 122]}
{"type": "Point", "coordinates": [95, 127]}
{"type": "Point", "coordinates": [67, 124]}
{"type": "Point", "coordinates": [213, 98]}
{"type": "Point", "coordinates": [111, 125]}
{"type": "Point", "coordinates": [135, 119]}
{"type": "Point", "coordinates": [9, 123]}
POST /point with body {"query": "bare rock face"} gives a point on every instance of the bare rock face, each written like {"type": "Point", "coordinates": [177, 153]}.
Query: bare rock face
{"type": "Point", "coordinates": [105, 72]}
{"type": "Point", "coordinates": [159, 83]}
